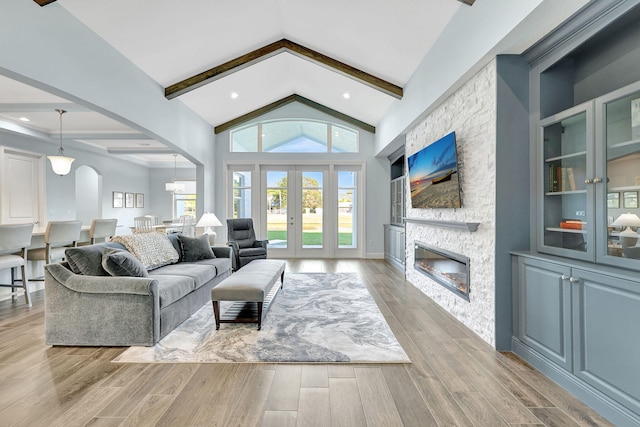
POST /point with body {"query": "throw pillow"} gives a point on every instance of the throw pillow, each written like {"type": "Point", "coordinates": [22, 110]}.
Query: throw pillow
{"type": "Point", "coordinates": [152, 249]}
{"type": "Point", "coordinates": [118, 262]}
{"type": "Point", "coordinates": [195, 248]}
{"type": "Point", "coordinates": [87, 260]}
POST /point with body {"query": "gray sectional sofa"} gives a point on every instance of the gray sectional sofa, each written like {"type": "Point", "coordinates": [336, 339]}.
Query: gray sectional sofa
{"type": "Point", "coordinates": [94, 308]}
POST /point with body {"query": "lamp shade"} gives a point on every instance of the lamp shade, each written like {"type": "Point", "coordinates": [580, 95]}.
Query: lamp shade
{"type": "Point", "coordinates": [61, 165]}
{"type": "Point", "coordinates": [627, 220]}
{"type": "Point", "coordinates": [209, 220]}
{"type": "Point", "coordinates": [174, 187]}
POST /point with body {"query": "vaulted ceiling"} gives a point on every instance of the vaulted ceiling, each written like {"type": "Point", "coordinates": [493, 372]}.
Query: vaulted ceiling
{"type": "Point", "coordinates": [228, 60]}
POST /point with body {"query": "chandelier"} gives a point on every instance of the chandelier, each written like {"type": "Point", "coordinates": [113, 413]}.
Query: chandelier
{"type": "Point", "coordinates": [173, 186]}
{"type": "Point", "coordinates": [61, 164]}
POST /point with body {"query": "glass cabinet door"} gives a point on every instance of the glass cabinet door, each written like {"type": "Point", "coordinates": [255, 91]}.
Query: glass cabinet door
{"type": "Point", "coordinates": [619, 112]}
{"type": "Point", "coordinates": [566, 183]}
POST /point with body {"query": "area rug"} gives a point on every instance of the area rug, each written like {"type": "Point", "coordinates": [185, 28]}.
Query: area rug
{"type": "Point", "coordinates": [316, 317]}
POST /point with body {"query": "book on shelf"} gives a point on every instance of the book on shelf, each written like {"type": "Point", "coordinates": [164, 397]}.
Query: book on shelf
{"type": "Point", "coordinates": [571, 179]}
{"type": "Point", "coordinates": [573, 224]}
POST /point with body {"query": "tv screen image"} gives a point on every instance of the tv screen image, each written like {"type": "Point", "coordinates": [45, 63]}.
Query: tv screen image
{"type": "Point", "coordinates": [433, 175]}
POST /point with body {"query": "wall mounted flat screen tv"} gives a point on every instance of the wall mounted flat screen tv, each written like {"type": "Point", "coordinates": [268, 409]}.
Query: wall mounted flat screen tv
{"type": "Point", "coordinates": [433, 175]}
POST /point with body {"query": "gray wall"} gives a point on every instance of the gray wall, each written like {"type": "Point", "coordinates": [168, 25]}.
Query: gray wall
{"type": "Point", "coordinates": [376, 198]}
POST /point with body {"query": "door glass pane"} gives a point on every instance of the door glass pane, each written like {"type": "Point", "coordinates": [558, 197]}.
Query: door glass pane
{"type": "Point", "coordinates": [623, 173]}
{"type": "Point", "coordinates": [346, 209]}
{"type": "Point", "coordinates": [565, 193]}
{"type": "Point", "coordinates": [277, 209]}
{"type": "Point", "coordinates": [312, 210]}
{"type": "Point", "coordinates": [241, 194]}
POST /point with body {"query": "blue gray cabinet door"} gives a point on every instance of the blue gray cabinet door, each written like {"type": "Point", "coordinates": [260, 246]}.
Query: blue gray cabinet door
{"type": "Point", "coordinates": [606, 325]}
{"type": "Point", "coordinates": [544, 309]}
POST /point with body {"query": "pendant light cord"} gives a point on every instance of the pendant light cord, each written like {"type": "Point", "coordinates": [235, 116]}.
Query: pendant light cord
{"type": "Point", "coordinates": [61, 112]}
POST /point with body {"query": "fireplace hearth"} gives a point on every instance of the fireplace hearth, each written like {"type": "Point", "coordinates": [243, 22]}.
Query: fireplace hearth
{"type": "Point", "coordinates": [449, 269]}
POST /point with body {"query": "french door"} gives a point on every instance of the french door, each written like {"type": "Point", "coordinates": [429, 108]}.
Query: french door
{"type": "Point", "coordinates": [306, 211]}
{"type": "Point", "coordinates": [293, 211]}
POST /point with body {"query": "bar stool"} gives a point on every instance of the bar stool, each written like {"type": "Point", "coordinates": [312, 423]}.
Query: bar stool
{"type": "Point", "coordinates": [14, 241]}
{"type": "Point", "coordinates": [102, 229]}
{"type": "Point", "coordinates": [58, 236]}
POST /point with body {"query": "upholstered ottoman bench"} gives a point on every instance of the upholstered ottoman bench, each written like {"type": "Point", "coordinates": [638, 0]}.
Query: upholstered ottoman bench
{"type": "Point", "coordinates": [251, 283]}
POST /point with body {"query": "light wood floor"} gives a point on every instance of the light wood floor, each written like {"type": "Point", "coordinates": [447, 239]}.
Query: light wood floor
{"type": "Point", "coordinates": [455, 378]}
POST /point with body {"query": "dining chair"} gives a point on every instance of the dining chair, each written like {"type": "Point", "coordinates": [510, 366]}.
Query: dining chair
{"type": "Point", "coordinates": [102, 229]}
{"type": "Point", "coordinates": [58, 236]}
{"type": "Point", "coordinates": [143, 224]}
{"type": "Point", "coordinates": [155, 219]}
{"type": "Point", "coordinates": [14, 242]}
{"type": "Point", "coordinates": [187, 225]}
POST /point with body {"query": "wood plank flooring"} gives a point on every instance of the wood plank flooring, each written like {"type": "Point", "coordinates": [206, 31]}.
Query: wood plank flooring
{"type": "Point", "coordinates": [455, 379]}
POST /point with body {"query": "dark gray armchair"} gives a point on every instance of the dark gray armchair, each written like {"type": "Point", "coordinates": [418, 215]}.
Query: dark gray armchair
{"type": "Point", "coordinates": [242, 238]}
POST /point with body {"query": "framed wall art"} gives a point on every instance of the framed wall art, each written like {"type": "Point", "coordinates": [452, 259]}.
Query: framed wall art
{"type": "Point", "coordinates": [129, 200]}
{"type": "Point", "coordinates": [613, 200]}
{"type": "Point", "coordinates": [630, 199]}
{"type": "Point", "coordinates": [117, 199]}
{"type": "Point", "coordinates": [139, 200]}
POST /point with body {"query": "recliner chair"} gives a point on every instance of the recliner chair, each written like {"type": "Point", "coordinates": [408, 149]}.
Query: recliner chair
{"type": "Point", "coordinates": [242, 238]}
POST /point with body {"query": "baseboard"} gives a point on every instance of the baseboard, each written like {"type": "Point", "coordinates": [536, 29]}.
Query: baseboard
{"type": "Point", "coordinates": [599, 402]}
{"type": "Point", "coordinates": [374, 255]}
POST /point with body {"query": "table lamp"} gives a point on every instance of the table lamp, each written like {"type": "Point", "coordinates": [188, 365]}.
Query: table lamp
{"type": "Point", "coordinates": [628, 237]}
{"type": "Point", "coordinates": [209, 220]}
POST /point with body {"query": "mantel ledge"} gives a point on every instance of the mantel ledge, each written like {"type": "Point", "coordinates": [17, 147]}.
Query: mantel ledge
{"type": "Point", "coordinates": [460, 225]}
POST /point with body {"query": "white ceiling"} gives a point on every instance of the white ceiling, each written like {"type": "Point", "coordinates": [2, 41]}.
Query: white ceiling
{"type": "Point", "coordinates": [174, 40]}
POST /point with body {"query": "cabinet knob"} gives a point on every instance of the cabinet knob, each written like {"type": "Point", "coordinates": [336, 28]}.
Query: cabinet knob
{"type": "Point", "coordinates": [588, 181]}
{"type": "Point", "coordinates": [564, 277]}
{"type": "Point", "coordinates": [597, 180]}
{"type": "Point", "coordinates": [573, 280]}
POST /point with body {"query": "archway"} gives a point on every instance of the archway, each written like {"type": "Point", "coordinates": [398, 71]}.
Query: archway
{"type": "Point", "coordinates": [88, 194]}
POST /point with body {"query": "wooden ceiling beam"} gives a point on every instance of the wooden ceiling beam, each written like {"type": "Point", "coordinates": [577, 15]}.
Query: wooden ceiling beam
{"type": "Point", "coordinates": [287, 100]}
{"type": "Point", "coordinates": [275, 48]}
{"type": "Point", "coordinates": [468, 2]}
{"type": "Point", "coordinates": [44, 2]}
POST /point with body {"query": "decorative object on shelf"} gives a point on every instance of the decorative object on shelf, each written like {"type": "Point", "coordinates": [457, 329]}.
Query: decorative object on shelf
{"type": "Point", "coordinates": [635, 118]}
{"type": "Point", "coordinates": [173, 186]}
{"type": "Point", "coordinates": [630, 199]}
{"type": "Point", "coordinates": [61, 164]}
{"type": "Point", "coordinates": [209, 220]}
{"type": "Point", "coordinates": [139, 200]}
{"type": "Point", "coordinates": [129, 200]}
{"type": "Point", "coordinates": [613, 200]}
{"type": "Point", "coordinates": [628, 237]}
{"type": "Point", "coordinates": [118, 198]}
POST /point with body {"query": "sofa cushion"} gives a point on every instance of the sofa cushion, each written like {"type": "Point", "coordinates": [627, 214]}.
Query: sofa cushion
{"type": "Point", "coordinates": [152, 249]}
{"type": "Point", "coordinates": [199, 273]}
{"type": "Point", "coordinates": [119, 262]}
{"type": "Point", "coordinates": [87, 260]}
{"type": "Point", "coordinates": [172, 288]}
{"type": "Point", "coordinates": [195, 248]}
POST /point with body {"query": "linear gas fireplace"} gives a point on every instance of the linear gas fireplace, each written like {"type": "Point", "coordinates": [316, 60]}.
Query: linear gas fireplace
{"type": "Point", "coordinates": [449, 269]}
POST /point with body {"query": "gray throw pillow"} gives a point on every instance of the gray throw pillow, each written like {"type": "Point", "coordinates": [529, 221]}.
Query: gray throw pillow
{"type": "Point", "coordinates": [118, 262]}
{"type": "Point", "coordinates": [195, 248]}
{"type": "Point", "coordinates": [87, 260]}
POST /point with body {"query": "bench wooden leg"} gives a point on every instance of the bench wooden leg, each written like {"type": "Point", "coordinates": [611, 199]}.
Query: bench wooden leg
{"type": "Point", "coordinates": [260, 314]}
{"type": "Point", "coordinates": [216, 314]}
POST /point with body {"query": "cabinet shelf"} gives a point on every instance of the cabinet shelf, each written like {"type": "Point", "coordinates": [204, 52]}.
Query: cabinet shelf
{"type": "Point", "coordinates": [566, 230]}
{"type": "Point", "coordinates": [626, 188]}
{"type": "Point", "coordinates": [621, 149]}
{"type": "Point", "coordinates": [564, 193]}
{"type": "Point", "coordinates": [566, 156]}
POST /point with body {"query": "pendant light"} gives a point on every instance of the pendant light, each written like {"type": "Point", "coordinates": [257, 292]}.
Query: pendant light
{"type": "Point", "coordinates": [174, 187]}
{"type": "Point", "coordinates": [60, 164]}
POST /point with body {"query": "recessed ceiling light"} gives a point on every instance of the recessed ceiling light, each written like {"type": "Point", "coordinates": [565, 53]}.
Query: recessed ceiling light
{"type": "Point", "coordinates": [234, 95]}
{"type": "Point", "coordinates": [24, 119]}
{"type": "Point", "coordinates": [346, 95]}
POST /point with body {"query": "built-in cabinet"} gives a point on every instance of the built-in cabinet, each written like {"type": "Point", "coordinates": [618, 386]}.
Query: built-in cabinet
{"type": "Point", "coordinates": [394, 237]}
{"type": "Point", "coordinates": [394, 245]}
{"type": "Point", "coordinates": [589, 179]}
{"type": "Point", "coordinates": [576, 294]}
{"type": "Point", "coordinates": [583, 319]}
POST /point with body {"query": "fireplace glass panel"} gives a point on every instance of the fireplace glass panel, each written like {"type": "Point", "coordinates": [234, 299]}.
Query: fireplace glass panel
{"type": "Point", "coordinates": [448, 269]}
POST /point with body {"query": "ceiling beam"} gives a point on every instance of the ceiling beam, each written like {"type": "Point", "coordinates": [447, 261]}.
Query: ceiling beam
{"type": "Point", "coordinates": [275, 48]}
{"type": "Point", "coordinates": [287, 100]}
{"type": "Point", "coordinates": [468, 2]}
{"type": "Point", "coordinates": [44, 2]}
{"type": "Point", "coordinates": [104, 136]}
{"type": "Point", "coordinates": [139, 150]}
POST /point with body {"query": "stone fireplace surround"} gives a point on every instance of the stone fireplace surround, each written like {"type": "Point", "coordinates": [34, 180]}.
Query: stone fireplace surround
{"type": "Point", "coordinates": [471, 112]}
